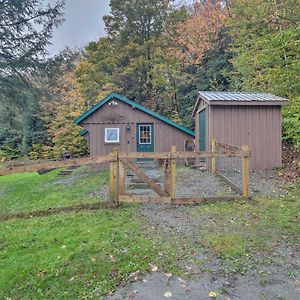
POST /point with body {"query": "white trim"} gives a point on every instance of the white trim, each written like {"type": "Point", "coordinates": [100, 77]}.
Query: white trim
{"type": "Point", "coordinates": [139, 141]}
{"type": "Point", "coordinates": [118, 135]}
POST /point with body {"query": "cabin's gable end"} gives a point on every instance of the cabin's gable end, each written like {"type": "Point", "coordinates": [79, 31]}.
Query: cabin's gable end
{"type": "Point", "coordinates": [134, 105]}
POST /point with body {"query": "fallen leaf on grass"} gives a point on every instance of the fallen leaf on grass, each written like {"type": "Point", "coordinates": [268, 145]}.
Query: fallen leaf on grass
{"type": "Point", "coordinates": [297, 283]}
{"type": "Point", "coordinates": [112, 259]}
{"type": "Point", "coordinates": [168, 274]}
{"type": "Point", "coordinates": [114, 272]}
{"type": "Point", "coordinates": [154, 268]}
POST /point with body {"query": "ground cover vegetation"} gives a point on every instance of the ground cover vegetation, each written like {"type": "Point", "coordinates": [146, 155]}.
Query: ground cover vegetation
{"type": "Point", "coordinates": [31, 191]}
{"type": "Point", "coordinates": [88, 254]}
{"type": "Point", "coordinates": [157, 53]}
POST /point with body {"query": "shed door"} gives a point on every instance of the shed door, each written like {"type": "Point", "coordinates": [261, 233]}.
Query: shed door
{"type": "Point", "coordinates": [202, 130]}
{"type": "Point", "coordinates": [145, 138]}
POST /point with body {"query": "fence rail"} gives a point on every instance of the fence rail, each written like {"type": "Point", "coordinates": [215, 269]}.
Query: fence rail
{"type": "Point", "coordinates": [121, 155]}
{"type": "Point", "coordinates": [118, 161]}
{"type": "Point", "coordinates": [222, 170]}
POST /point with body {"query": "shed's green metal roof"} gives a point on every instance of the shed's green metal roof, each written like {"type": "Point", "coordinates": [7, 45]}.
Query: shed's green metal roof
{"type": "Point", "coordinates": [134, 105]}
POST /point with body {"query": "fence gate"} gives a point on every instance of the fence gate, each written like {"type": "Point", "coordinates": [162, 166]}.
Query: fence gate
{"type": "Point", "coordinates": [166, 193]}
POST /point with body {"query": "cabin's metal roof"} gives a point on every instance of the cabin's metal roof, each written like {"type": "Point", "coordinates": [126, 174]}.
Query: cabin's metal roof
{"type": "Point", "coordinates": [239, 96]}
{"type": "Point", "coordinates": [133, 105]}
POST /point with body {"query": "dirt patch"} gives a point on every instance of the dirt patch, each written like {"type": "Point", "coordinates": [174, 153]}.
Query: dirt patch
{"type": "Point", "coordinates": [101, 193]}
{"type": "Point", "coordinates": [69, 179]}
{"type": "Point", "coordinates": [56, 210]}
{"type": "Point", "coordinates": [267, 183]}
{"type": "Point", "coordinates": [168, 217]}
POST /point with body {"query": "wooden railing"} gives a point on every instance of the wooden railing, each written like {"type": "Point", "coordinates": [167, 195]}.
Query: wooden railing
{"type": "Point", "coordinates": [119, 160]}
{"type": "Point", "coordinates": [245, 165]}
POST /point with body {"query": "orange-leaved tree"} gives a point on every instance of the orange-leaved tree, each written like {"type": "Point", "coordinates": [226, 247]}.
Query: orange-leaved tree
{"type": "Point", "coordinates": [65, 106]}
{"type": "Point", "coordinates": [197, 34]}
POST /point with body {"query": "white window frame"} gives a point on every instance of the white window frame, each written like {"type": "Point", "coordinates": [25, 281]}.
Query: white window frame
{"type": "Point", "coordinates": [150, 134]}
{"type": "Point", "coordinates": [118, 135]}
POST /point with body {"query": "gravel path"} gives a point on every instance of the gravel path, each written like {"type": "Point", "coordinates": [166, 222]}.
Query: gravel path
{"type": "Point", "coordinates": [158, 286]}
{"type": "Point", "coordinates": [202, 183]}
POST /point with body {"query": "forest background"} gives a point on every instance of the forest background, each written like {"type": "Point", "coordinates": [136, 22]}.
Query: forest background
{"type": "Point", "coordinates": [155, 52]}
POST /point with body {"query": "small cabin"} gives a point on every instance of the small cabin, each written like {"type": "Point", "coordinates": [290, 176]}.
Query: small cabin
{"type": "Point", "coordinates": [117, 121]}
{"type": "Point", "coordinates": [252, 119]}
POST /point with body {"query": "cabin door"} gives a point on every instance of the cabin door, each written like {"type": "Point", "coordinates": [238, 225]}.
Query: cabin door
{"type": "Point", "coordinates": [145, 137]}
{"type": "Point", "coordinates": [202, 130]}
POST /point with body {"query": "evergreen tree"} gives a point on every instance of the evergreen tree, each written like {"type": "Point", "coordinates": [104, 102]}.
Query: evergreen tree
{"type": "Point", "coordinates": [25, 30]}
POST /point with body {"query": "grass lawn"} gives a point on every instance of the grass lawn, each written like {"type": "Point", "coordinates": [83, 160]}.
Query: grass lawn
{"type": "Point", "coordinates": [77, 255]}
{"type": "Point", "coordinates": [81, 255]}
{"type": "Point", "coordinates": [85, 255]}
{"type": "Point", "coordinates": [31, 191]}
{"type": "Point", "coordinates": [244, 234]}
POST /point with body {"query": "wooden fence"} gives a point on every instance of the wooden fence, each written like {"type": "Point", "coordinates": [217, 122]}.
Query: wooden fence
{"type": "Point", "coordinates": [167, 193]}
{"type": "Point", "coordinates": [242, 189]}
{"type": "Point", "coordinates": [118, 161]}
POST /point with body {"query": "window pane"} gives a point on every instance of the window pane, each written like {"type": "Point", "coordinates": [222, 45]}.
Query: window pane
{"type": "Point", "coordinates": [145, 134]}
{"type": "Point", "coordinates": [111, 135]}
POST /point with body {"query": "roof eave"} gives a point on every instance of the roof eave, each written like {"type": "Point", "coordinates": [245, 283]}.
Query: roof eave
{"type": "Point", "coordinates": [135, 105]}
{"type": "Point", "coordinates": [93, 109]}
{"type": "Point", "coordinates": [197, 104]}
{"type": "Point", "coordinates": [228, 102]}
{"type": "Point", "coordinates": [83, 132]}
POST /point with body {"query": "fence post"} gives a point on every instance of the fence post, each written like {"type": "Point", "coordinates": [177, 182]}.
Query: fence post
{"type": "Point", "coordinates": [113, 177]}
{"type": "Point", "coordinates": [122, 177]}
{"type": "Point", "coordinates": [246, 156]}
{"type": "Point", "coordinates": [167, 181]}
{"type": "Point", "coordinates": [173, 173]}
{"type": "Point", "coordinates": [213, 159]}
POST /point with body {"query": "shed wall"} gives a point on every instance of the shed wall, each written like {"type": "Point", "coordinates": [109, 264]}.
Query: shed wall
{"type": "Point", "coordinates": [122, 115]}
{"type": "Point", "coordinates": [257, 126]}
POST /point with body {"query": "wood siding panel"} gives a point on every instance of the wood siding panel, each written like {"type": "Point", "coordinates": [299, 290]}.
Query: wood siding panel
{"type": "Point", "coordinates": [120, 116]}
{"type": "Point", "coordinates": [257, 126]}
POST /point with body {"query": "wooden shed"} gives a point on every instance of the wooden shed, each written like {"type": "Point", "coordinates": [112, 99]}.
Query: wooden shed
{"type": "Point", "coordinates": [117, 121]}
{"type": "Point", "coordinates": [238, 119]}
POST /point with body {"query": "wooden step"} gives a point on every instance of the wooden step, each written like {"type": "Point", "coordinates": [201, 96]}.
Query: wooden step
{"type": "Point", "coordinates": [65, 172]}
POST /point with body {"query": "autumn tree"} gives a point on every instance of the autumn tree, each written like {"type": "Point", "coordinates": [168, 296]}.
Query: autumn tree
{"type": "Point", "coordinates": [195, 36]}
{"type": "Point", "coordinates": [62, 103]}
{"type": "Point", "coordinates": [265, 42]}
{"type": "Point", "coordinates": [124, 60]}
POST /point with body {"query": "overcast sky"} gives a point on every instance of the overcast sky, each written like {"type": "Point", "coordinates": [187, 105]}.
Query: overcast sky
{"type": "Point", "coordinates": [83, 23]}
